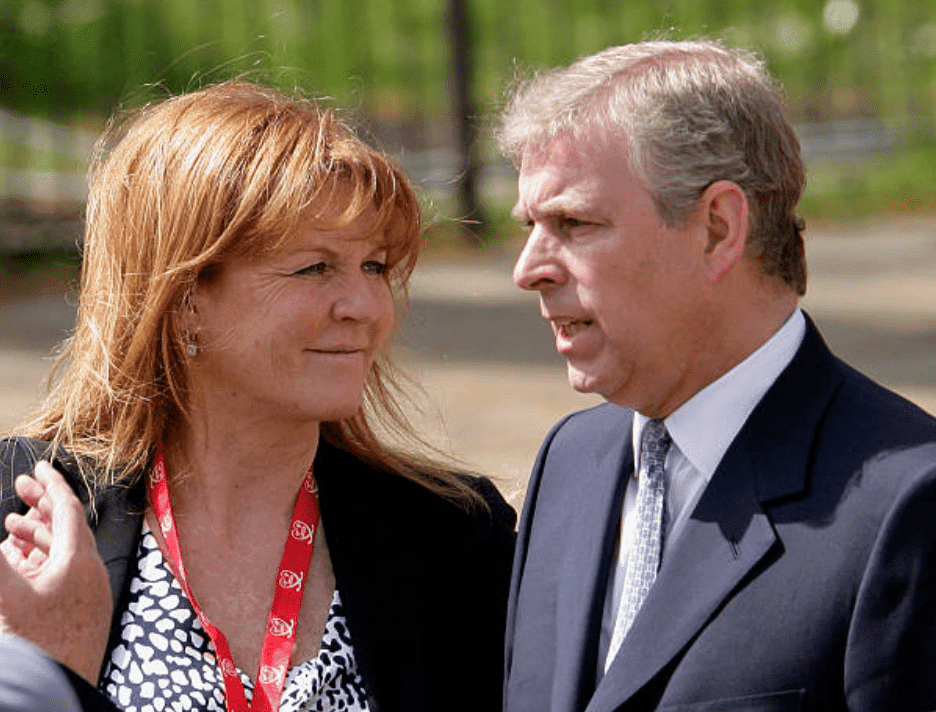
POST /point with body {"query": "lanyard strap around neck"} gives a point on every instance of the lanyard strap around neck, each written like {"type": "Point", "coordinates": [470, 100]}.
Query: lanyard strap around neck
{"type": "Point", "coordinates": [287, 599]}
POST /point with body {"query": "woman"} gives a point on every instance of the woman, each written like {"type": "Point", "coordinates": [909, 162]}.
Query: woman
{"type": "Point", "coordinates": [243, 261]}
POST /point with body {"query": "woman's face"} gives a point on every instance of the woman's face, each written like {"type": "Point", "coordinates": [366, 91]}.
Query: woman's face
{"type": "Point", "coordinates": [291, 337]}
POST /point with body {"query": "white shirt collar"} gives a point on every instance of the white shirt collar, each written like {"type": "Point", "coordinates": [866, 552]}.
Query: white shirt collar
{"type": "Point", "coordinates": [704, 426]}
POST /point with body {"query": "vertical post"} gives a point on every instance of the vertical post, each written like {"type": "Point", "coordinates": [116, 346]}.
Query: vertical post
{"type": "Point", "coordinates": [464, 114]}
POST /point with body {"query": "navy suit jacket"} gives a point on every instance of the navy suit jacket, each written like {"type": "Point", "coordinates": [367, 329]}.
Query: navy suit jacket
{"type": "Point", "coordinates": [423, 582]}
{"type": "Point", "coordinates": [805, 578]}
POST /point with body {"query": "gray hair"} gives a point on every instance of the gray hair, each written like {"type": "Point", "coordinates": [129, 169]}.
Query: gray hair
{"type": "Point", "coordinates": [687, 114]}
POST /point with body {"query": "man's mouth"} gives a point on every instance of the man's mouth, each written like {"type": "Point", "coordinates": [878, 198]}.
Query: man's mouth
{"type": "Point", "coordinates": [570, 327]}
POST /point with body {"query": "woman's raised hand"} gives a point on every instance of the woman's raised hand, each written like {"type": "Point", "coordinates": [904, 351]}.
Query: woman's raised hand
{"type": "Point", "coordinates": [54, 588]}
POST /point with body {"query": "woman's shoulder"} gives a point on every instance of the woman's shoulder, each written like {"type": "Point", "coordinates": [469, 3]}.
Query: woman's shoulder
{"type": "Point", "coordinates": [346, 477]}
{"type": "Point", "coordinates": [497, 508]}
{"type": "Point", "coordinates": [19, 455]}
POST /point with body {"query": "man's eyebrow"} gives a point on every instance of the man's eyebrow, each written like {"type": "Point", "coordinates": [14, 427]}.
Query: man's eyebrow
{"type": "Point", "coordinates": [559, 206]}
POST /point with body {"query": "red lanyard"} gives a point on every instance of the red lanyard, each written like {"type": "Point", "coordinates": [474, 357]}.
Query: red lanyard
{"type": "Point", "coordinates": [287, 599]}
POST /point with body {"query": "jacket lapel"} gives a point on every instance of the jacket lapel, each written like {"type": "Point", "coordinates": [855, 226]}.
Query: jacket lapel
{"type": "Point", "coordinates": [729, 531]}
{"type": "Point", "coordinates": [361, 519]}
{"type": "Point", "coordinates": [588, 560]}
{"type": "Point", "coordinates": [728, 534]}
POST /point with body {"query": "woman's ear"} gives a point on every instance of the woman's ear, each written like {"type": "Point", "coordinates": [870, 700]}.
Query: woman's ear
{"type": "Point", "coordinates": [185, 316]}
{"type": "Point", "coordinates": [188, 299]}
{"type": "Point", "coordinates": [724, 214]}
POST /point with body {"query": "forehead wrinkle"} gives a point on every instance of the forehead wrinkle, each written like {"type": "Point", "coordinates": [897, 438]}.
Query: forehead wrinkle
{"type": "Point", "coordinates": [552, 200]}
{"type": "Point", "coordinates": [557, 182]}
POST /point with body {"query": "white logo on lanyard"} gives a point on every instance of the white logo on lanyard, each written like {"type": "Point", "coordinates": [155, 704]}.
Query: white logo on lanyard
{"type": "Point", "coordinates": [271, 675]}
{"type": "Point", "coordinates": [303, 532]}
{"type": "Point", "coordinates": [281, 628]}
{"type": "Point", "coordinates": [165, 523]}
{"type": "Point", "coordinates": [290, 579]}
{"type": "Point", "coordinates": [159, 472]}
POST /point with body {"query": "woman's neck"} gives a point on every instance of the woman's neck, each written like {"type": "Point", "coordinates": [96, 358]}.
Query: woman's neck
{"type": "Point", "coordinates": [231, 477]}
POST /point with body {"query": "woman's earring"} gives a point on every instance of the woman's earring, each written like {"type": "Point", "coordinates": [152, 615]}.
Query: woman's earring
{"type": "Point", "coordinates": [191, 343]}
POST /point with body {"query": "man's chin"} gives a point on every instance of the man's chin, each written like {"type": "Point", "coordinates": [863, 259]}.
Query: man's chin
{"type": "Point", "coordinates": [612, 390]}
{"type": "Point", "coordinates": [583, 382]}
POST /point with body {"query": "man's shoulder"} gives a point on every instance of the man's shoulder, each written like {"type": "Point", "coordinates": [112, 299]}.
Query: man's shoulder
{"type": "Point", "coordinates": [861, 402]}
{"type": "Point", "coordinates": [601, 417]}
{"type": "Point", "coordinates": [820, 393]}
{"type": "Point", "coordinates": [596, 428]}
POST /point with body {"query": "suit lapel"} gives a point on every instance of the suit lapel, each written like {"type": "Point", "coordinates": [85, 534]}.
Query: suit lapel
{"type": "Point", "coordinates": [588, 560]}
{"type": "Point", "coordinates": [727, 536]}
{"type": "Point", "coordinates": [729, 532]}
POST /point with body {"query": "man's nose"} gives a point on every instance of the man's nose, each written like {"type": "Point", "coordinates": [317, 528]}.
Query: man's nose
{"type": "Point", "coordinates": [539, 266]}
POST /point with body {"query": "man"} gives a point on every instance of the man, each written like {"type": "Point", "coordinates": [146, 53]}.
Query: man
{"type": "Point", "coordinates": [748, 523]}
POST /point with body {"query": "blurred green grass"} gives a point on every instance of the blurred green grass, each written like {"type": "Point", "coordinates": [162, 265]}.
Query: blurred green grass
{"type": "Point", "coordinates": [898, 182]}
{"type": "Point", "coordinates": [16, 155]}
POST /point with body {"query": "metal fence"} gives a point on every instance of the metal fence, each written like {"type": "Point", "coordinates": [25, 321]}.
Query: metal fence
{"type": "Point", "coordinates": [862, 69]}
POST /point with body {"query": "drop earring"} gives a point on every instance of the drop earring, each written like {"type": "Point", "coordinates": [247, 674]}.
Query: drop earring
{"type": "Point", "coordinates": [191, 343]}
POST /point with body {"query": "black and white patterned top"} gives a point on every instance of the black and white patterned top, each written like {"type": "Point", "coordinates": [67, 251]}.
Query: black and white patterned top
{"type": "Point", "coordinates": [166, 661]}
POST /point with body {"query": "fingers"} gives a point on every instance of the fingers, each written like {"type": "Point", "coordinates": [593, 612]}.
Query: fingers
{"type": "Point", "coordinates": [10, 559]}
{"type": "Point", "coordinates": [54, 525]}
{"type": "Point", "coordinates": [29, 531]}
{"type": "Point", "coordinates": [32, 529]}
{"type": "Point", "coordinates": [65, 515]}
{"type": "Point", "coordinates": [29, 489]}
{"type": "Point", "coordinates": [13, 566]}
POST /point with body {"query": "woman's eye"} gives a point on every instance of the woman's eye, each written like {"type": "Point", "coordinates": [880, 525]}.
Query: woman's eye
{"type": "Point", "coordinates": [374, 267]}
{"type": "Point", "coordinates": [319, 268]}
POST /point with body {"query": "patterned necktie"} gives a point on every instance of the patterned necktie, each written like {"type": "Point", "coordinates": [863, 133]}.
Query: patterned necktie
{"type": "Point", "coordinates": [643, 560]}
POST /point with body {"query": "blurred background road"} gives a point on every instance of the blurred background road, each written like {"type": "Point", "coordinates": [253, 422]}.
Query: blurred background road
{"type": "Point", "coordinates": [492, 382]}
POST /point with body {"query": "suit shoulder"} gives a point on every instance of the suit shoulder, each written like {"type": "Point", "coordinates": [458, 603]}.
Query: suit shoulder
{"type": "Point", "coordinates": [880, 413]}
{"type": "Point", "coordinates": [591, 427]}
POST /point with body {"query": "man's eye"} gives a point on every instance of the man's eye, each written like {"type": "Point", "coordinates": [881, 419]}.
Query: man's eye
{"type": "Point", "coordinates": [571, 223]}
{"type": "Point", "coordinates": [319, 268]}
{"type": "Point", "coordinates": [374, 267]}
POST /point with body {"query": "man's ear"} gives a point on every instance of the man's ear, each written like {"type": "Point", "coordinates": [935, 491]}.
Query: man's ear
{"type": "Point", "coordinates": [723, 211]}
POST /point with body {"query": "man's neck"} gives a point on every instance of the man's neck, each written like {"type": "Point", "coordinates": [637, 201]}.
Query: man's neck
{"type": "Point", "coordinates": [730, 337]}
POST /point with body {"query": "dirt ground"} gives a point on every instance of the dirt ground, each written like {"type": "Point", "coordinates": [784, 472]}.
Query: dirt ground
{"type": "Point", "coordinates": [492, 384]}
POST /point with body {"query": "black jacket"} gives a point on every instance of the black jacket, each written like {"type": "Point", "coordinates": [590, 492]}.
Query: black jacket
{"type": "Point", "coordinates": [423, 582]}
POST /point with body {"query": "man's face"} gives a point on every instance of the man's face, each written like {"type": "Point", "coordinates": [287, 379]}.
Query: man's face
{"type": "Point", "coordinates": [625, 294]}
